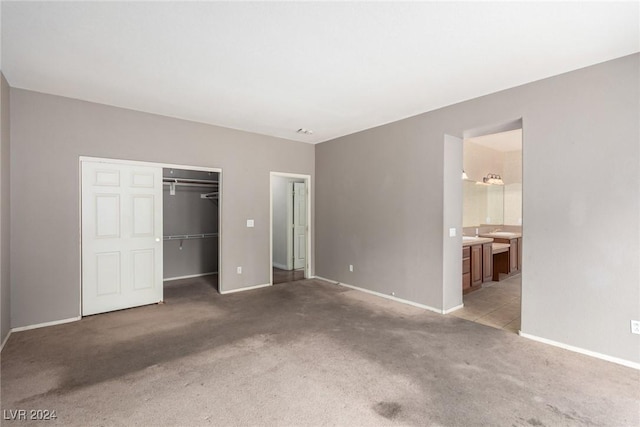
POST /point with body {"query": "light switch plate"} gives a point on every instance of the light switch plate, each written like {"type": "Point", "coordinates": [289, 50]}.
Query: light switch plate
{"type": "Point", "coordinates": [249, 223]}
{"type": "Point", "coordinates": [452, 232]}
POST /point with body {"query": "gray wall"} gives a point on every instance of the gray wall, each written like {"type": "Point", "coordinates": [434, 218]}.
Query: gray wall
{"type": "Point", "coordinates": [186, 212]}
{"type": "Point", "coordinates": [452, 218]}
{"type": "Point", "coordinates": [5, 289]}
{"type": "Point", "coordinates": [49, 133]}
{"type": "Point", "coordinates": [581, 185]}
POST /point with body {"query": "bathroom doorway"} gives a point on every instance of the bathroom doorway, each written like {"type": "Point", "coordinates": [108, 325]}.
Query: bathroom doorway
{"type": "Point", "coordinates": [492, 230]}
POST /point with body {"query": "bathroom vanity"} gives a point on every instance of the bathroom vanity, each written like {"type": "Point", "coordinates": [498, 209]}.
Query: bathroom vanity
{"type": "Point", "coordinates": [506, 260]}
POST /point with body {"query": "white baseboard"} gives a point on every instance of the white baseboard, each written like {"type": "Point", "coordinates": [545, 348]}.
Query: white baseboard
{"type": "Point", "coordinates": [595, 354]}
{"type": "Point", "coordinates": [5, 340]}
{"type": "Point", "coordinates": [391, 297]}
{"type": "Point", "coordinates": [280, 266]}
{"type": "Point", "coordinates": [42, 325]}
{"type": "Point", "coordinates": [248, 288]}
{"type": "Point", "coordinates": [452, 309]}
{"type": "Point", "coordinates": [191, 276]}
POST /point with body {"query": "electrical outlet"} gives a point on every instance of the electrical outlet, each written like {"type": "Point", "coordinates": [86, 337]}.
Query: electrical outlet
{"type": "Point", "coordinates": [635, 327]}
{"type": "Point", "coordinates": [351, 268]}
{"type": "Point", "coordinates": [452, 232]}
{"type": "Point", "coordinates": [239, 270]}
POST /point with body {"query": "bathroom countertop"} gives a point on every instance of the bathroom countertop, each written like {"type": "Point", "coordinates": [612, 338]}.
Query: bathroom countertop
{"type": "Point", "coordinates": [468, 240]}
{"type": "Point", "coordinates": [501, 235]}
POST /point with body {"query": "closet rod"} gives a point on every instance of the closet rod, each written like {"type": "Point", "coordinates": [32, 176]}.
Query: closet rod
{"type": "Point", "coordinates": [190, 236]}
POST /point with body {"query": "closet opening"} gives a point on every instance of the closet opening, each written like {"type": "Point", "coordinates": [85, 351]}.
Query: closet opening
{"type": "Point", "coordinates": [191, 218]}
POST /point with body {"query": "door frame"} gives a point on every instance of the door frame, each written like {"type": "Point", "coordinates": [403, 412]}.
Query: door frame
{"type": "Point", "coordinates": [455, 162]}
{"type": "Point", "coordinates": [82, 159]}
{"type": "Point", "coordinates": [309, 258]}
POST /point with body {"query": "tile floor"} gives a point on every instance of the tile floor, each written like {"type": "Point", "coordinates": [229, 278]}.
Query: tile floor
{"type": "Point", "coordinates": [497, 304]}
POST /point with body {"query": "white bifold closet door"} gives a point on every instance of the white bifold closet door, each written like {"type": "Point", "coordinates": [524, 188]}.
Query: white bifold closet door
{"type": "Point", "coordinates": [121, 236]}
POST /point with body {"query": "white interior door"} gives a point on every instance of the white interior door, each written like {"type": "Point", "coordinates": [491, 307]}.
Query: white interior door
{"type": "Point", "coordinates": [299, 224]}
{"type": "Point", "coordinates": [121, 236]}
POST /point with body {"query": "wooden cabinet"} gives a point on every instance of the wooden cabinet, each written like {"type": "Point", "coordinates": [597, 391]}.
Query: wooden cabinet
{"type": "Point", "coordinates": [487, 262]}
{"type": "Point", "coordinates": [520, 254]}
{"type": "Point", "coordinates": [515, 254]}
{"type": "Point", "coordinates": [472, 267]}
{"type": "Point", "coordinates": [476, 265]}
{"type": "Point", "coordinates": [466, 269]}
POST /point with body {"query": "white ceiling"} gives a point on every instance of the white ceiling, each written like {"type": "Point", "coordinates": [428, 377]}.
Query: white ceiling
{"type": "Point", "coordinates": [272, 68]}
{"type": "Point", "coordinates": [503, 141]}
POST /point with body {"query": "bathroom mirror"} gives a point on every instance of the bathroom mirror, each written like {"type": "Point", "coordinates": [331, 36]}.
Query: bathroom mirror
{"type": "Point", "coordinates": [482, 204]}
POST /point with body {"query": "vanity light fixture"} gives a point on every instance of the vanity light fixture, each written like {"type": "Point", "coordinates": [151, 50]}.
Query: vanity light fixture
{"type": "Point", "coordinates": [493, 178]}
{"type": "Point", "coordinates": [464, 175]}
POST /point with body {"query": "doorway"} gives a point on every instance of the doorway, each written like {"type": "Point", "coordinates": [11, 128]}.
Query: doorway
{"type": "Point", "coordinates": [290, 224]}
{"type": "Point", "coordinates": [191, 213]}
{"type": "Point", "coordinates": [492, 230]}
{"type": "Point", "coordinates": [123, 238]}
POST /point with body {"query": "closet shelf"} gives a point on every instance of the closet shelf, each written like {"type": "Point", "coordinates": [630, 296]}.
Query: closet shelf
{"type": "Point", "coordinates": [190, 236]}
{"type": "Point", "coordinates": [188, 182]}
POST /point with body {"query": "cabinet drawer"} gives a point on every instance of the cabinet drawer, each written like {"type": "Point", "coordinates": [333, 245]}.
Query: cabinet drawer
{"type": "Point", "coordinates": [466, 252]}
{"type": "Point", "coordinates": [466, 266]}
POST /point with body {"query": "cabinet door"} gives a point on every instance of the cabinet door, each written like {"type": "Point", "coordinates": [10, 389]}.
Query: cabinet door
{"type": "Point", "coordinates": [466, 268]}
{"type": "Point", "coordinates": [476, 265]}
{"type": "Point", "coordinates": [520, 254]}
{"type": "Point", "coordinates": [513, 255]}
{"type": "Point", "coordinates": [466, 281]}
{"type": "Point", "coordinates": [487, 262]}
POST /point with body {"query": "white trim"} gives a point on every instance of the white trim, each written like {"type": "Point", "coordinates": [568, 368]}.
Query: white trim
{"type": "Point", "coordinates": [595, 354]}
{"type": "Point", "coordinates": [248, 288]}
{"type": "Point", "coordinates": [45, 324]}
{"type": "Point", "coordinates": [190, 276]}
{"type": "Point", "coordinates": [452, 309]}
{"type": "Point", "coordinates": [280, 266]}
{"type": "Point", "coordinates": [145, 163]}
{"type": "Point", "coordinates": [308, 268]}
{"type": "Point", "coordinates": [5, 340]}
{"type": "Point", "coordinates": [400, 300]}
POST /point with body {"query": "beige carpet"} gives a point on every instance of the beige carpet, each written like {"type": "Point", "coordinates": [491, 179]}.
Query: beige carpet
{"type": "Point", "coordinates": [303, 353]}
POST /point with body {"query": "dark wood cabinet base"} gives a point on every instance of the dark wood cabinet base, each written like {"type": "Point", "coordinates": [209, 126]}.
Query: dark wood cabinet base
{"type": "Point", "coordinates": [508, 263]}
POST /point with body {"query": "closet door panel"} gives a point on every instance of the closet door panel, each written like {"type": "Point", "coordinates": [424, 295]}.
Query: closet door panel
{"type": "Point", "coordinates": [121, 236]}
